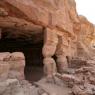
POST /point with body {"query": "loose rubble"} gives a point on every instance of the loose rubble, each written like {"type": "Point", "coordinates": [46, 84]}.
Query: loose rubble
{"type": "Point", "coordinates": [80, 81]}
{"type": "Point", "coordinates": [75, 80]}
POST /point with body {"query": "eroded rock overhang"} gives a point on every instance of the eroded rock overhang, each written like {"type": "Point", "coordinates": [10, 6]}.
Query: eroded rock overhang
{"type": "Point", "coordinates": [33, 14]}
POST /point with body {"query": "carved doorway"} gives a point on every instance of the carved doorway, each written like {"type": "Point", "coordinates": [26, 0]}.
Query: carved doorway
{"type": "Point", "coordinates": [31, 46]}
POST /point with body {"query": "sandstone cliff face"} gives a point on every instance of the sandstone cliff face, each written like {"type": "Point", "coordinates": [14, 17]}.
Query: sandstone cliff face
{"type": "Point", "coordinates": [86, 38]}
{"type": "Point", "coordinates": [65, 36]}
{"type": "Point", "coordinates": [65, 33]}
{"type": "Point", "coordinates": [60, 14]}
{"type": "Point", "coordinates": [33, 15]}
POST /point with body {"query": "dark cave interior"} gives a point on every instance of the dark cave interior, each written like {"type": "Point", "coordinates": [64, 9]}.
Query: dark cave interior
{"type": "Point", "coordinates": [32, 52]}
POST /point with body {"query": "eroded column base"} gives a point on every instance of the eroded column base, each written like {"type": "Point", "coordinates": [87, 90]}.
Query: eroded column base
{"type": "Point", "coordinates": [49, 48]}
{"type": "Point", "coordinates": [49, 66]}
{"type": "Point", "coordinates": [62, 63]}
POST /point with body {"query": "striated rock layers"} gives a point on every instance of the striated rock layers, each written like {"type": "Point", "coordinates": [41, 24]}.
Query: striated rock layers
{"type": "Point", "coordinates": [66, 35]}
{"type": "Point", "coordinates": [57, 20]}
{"type": "Point", "coordinates": [12, 65]}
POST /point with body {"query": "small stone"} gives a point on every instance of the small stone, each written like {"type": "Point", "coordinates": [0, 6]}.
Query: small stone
{"type": "Point", "coordinates": [67, 77]}
{"type": "Point", "coordinates": [53, 94]}
{"type": "Point", "coordinates": [44, 94]}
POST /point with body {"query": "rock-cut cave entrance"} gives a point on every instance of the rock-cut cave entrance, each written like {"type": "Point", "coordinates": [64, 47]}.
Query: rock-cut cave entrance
{"type": "Point", "coordinates": [32, 49]}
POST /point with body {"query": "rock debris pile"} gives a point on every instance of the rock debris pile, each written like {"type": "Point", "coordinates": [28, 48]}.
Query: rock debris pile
{"type": "Point", "coordinates": [77, 79]}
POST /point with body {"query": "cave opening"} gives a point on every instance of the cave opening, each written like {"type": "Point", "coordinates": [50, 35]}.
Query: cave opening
{"type": "Point", "coordinates": [31, 48]}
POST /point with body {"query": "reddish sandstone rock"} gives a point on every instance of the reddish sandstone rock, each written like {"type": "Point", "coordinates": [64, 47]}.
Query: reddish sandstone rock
{"type": "Point", "coordinates": [17, 64]}
{"type": "Point", "coordinates": [17, 56]}
{"type": "Point", "coordinates": [4, 70]}
{"type": "Point", "coordinates": [61, 14]}
{"type": "Point", "coordinates": [4, 56]}
{"type": "Point", "coordinates": [3, 12]}
{"type": "Point", "coordinates": [12, 65]}
{"type": "Point", "coordinates": [85, 38]}
{"type": "Point", "coordinates": [4, 65]}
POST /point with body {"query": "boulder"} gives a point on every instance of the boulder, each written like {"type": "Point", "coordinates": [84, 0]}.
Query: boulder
{"type": "Point", "coordinates": [5, 56]}
{"type": "Point", "coordinates": [15, 56]}
{"type": "Point", "coordinates": [4, 70]}
{"type": "Point", "coordinates": [17, 64]}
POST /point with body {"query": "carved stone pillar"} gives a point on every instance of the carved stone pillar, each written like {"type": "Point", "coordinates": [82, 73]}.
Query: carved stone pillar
{"type": "Point", "coordinates": [62, 63]}
{"type": "Point", "coordinates": [61, 54]}
{"type": "Point", "coordinates": [49, 66]}
{"type": "Point", "coordinates": [49, 48]}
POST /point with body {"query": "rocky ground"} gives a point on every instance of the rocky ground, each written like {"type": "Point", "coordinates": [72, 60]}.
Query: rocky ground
{"type": "Point", "coordinates": [77, 79]}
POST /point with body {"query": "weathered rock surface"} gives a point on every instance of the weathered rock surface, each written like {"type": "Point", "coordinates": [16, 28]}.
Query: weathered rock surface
{"type": "Point", "coordinates": [80, 82]}
{"type": "Point", "coordinates": [61, 14]}
{"type": "Point", "coordinates": [16, 87]}
{"type": "Point", "coordinates": [66, 36]}
{"type": "Point", "coordinates": [86, 39]}
{"type": "Point", "coordinates": [12, 65]}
